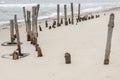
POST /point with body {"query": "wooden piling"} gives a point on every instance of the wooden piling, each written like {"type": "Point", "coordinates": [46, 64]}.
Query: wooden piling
{"type": "Point", "coordinates": [72, 14]}
{"type": "Point", "coordinates": [39, 52]}
{"type": "Point", "coordinates": [67, 58]}
{"type": "Point", "coordinates": [65, 15]}
{"type": "Point", "coordinates": [12, 31]}
{"type": "Point", "coordinates": [58, 15]}
{"type": "Point", "coordinates": [78, 10]}
{"type": "Point", "coordinates": [17, 35]}
{"type": "Point", "coordinates": [40, 29]}
{"type": "Point", "coordinates": [25, 19]}
{"type": "Point", "coordinates": [28, 25]}
{"type": "Point", "coordinates": [15, 55]}
{"type": "Point", "coordinates": [46, 24]}
{"type": "Point", "coordinates": [109, 39]}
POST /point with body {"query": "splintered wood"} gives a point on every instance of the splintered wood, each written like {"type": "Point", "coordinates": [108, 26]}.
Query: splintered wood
{"type": "Point", "coordinates": [109, 38]}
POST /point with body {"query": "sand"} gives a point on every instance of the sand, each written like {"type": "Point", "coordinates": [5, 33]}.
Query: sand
{"type": "Point", "coordinates": [85, 42]}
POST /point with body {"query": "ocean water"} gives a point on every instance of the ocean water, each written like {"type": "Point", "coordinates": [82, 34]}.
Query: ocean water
{"type": "Point", "coordinates": [48, 7]}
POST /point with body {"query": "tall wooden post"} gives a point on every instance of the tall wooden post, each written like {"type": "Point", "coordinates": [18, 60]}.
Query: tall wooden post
{"type": "Point", "coordinates": [109, 37]}
{"type": "Point", "coordinates": [28, 25]}
{"type": "Point", "coordinates": [25, 19]}
{"type": "Point", "coordinates": [78, 11]}
{"type": "Point", "coordinates": [65, 14]}
{"type": "Point", "coordinates": [58, 15]}
{"type": "Point", "coordinates": [17, 35]}
{"type": "Point", "coordinates": [72, 13]}
{"type": "Point", "coordinates": [12, 31]}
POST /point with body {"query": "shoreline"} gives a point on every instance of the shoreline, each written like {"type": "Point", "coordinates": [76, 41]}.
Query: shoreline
{"type": "Point", "coordinates": [75, 15]}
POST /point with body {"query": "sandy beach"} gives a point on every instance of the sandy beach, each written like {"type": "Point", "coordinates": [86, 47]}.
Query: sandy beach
{"type": "Point", "coordinates": [85, 41]}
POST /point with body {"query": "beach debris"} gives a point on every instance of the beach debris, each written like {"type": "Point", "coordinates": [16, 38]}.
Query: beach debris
{"type": "Point", "coordinates": [58, 15]}
{"type": "Point", "coordinates": [67, 58]}
{"type": "Point", "coordinates": [92, 16]}
{"type": "Point", "coordinates": [39, 52]}
{"type": "Point", "coordinates": [15, 55]}
{"type": "Point", "coordinates": [40, 29]}
{"type": "Point", "coordinates": [36, 47]}
{"type": "Point", "coordinates": [78, 10]}
{"type": "Point", "coordinates": [50, 27]}
{"type": "Point", "coordinates": [17, 35]}
{"type": "Point", "coordinates": [72, 14]}
{"type": "Point", "coordinates": [109, 39]}
{"type": "Point", "coordinates": [46, 23]}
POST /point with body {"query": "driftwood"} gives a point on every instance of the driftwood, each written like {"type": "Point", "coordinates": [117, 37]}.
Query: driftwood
{"type": "Point", "coordinates": [67, 58]}
{"type": "Point", "coordinates": [17, 35]}
{"type": "Point", "coordinates": [109, 38]}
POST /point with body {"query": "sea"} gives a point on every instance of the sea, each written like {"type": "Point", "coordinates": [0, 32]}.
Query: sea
{"type": "Point", "coordinates": [48, 8]}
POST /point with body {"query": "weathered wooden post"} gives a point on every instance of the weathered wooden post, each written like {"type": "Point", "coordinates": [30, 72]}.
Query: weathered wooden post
{"type": "Point", "coordinates": [25, 19]}
{"type": "Point", "coordinates": [69, 21]}
{"type": "Point", "coordinates": [17, 35]}
{"type": "Point", "coordinates": [46, 23]}
{"type": "Point", "coordinates": [39, 52]}
{"type": "Point", "coordinates": [109, 37]}
{"type": "Point", "coordinates": [58, 15]}
{"type": "Point", "coordinates": [67, 58]}
{"type": "Point", "coordinates": [72, 14]}
{"type": "Point", "coordinates": [78, 10]}
{"type": "Point", "coordinates": [15, 55]}
{"type": "Point", "coordinates": [28, 25]}
{"type": "Point", "coordinates": [40, 29]}
{"type": "Point", "coordinates": [65, 14]}
{"type": "Point", "coordinates": [12, 31]}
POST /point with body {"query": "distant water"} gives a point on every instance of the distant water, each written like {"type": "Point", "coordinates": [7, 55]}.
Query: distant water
{"type": "Point", "coordinates": [48, 7]}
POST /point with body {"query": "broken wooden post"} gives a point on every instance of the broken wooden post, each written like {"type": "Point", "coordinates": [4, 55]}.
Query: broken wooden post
{"type": "Point", "coordinates": [69, 21]}
{"type": "Point", "coordinates": [58, 15]}
{"type": "Point", "coordinates": [17, 35]}
{"type": "Point", "coordinates": [109, 37]}
{"type": "Point", "coordinates": [72, 14]}
{"type": "Point", "coordinates": [78, 10]}
{"type": "Point", "coordinates": [15, 55]}
{"type": "Point", "coordinates": [12, 31]}
{"type": "Point", "coordinates": [36, 47]}
{"type": "Point", "coordinates": [67, 58]}
{"type": "Point", "coordinates": [40, 29]}
{"type": "Point", "coordinates": [39, 52]}
{"type": "Point", "coordinates": [65, 14]}
{"type": "Point", "coordinates": [46, 24]}
{"type": "Point", "coordinates": [61, 21]}
{"type": "Point", "coordinates": [28, 25]}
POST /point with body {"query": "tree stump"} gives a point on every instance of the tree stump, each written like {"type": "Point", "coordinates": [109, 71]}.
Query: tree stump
{"type": "Point", "coordinates": [67, 58]}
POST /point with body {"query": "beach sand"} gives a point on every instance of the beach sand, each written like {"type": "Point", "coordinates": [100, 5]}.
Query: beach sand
{"type": "Point", "coordinates": [85, 41]}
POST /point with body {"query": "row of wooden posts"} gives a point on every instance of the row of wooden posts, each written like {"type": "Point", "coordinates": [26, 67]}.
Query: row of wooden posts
{"type": "Point", "coordinates": [32, 33]}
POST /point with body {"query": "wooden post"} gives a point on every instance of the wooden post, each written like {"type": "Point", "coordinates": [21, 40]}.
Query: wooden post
{"type": "Point", "coordinates": [72, 14]}
{"type": "Point", "coordinates": [109, 37]}
{"type": "Point", "coordinates": [40, 29]}
{"type": "Point", "coordinates": [67, 58]}
{"type": "Point", "coordinates": [12, 31]}
{"type": "Point", "coordinates": [58, 15]}
{"type": "Point", "coordinates": [36, 47]}
{"type": "Point", "coordinates": [25, 19]}
{"type": "Point", "coordinates": [34, 25]}
{"type": "Point", "coordinates": [65, 14]}
{"type": "Point", "coordinates": [15, 55]}
{"type": "Point", "coordinates": [28, 25]}
{"type": "Point", "coordinates": [17, 35]}
{"type": "Point", "coordinates": [39, 52]}
{"type": "Point", "coordinates": [46, 24]}
{"type": "Point", "coordinates": [78, 11]}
